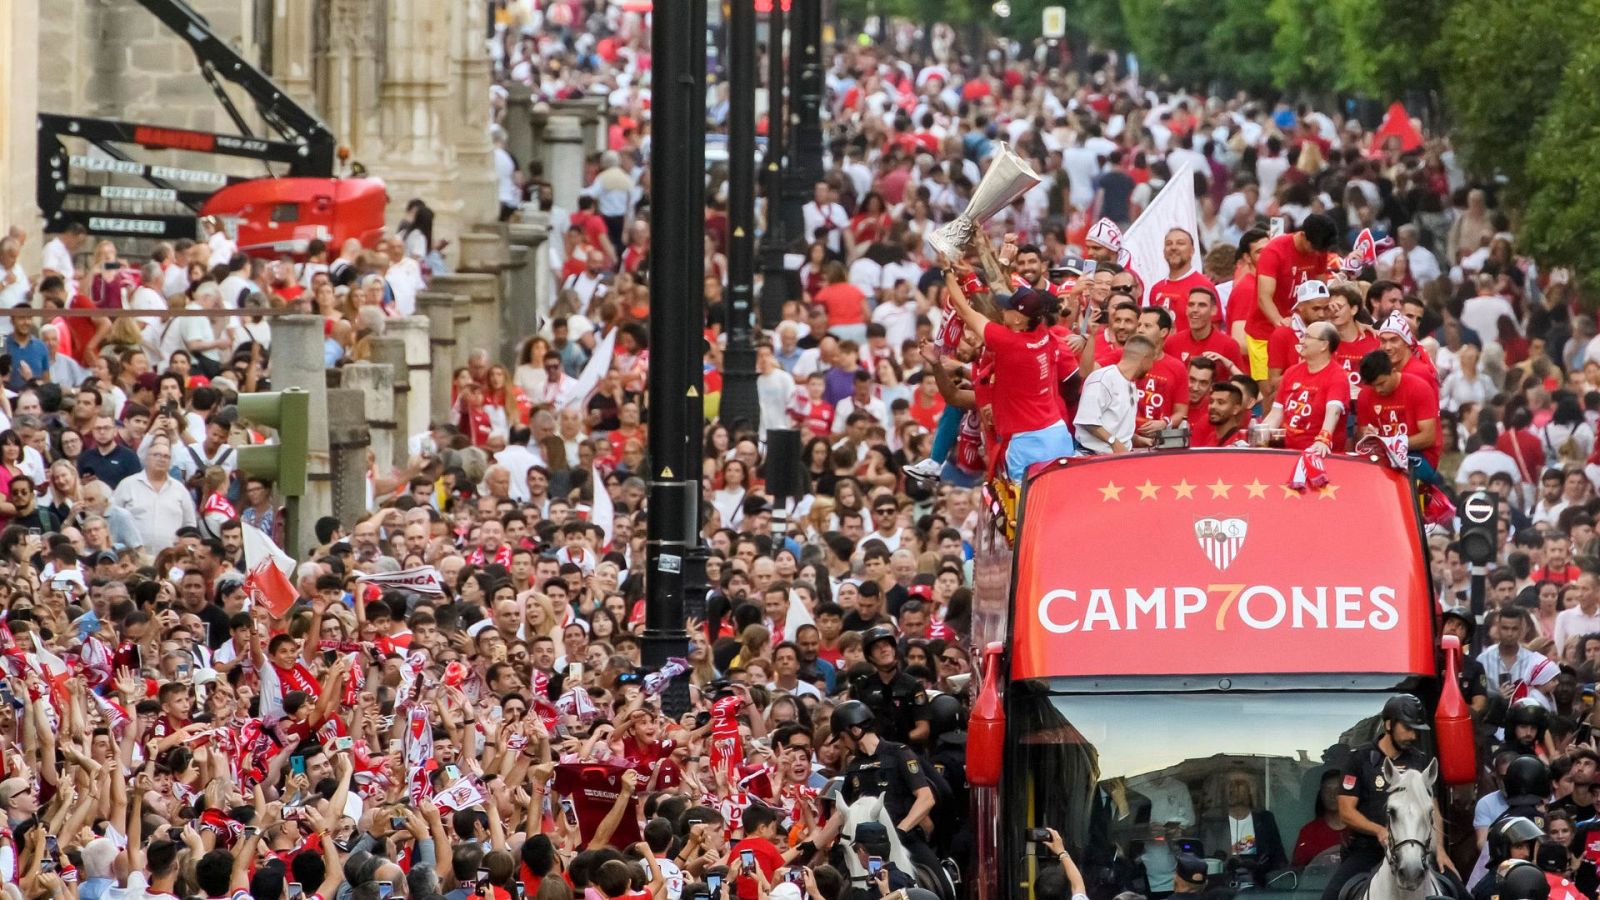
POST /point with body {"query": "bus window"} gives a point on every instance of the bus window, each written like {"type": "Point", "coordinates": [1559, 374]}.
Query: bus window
{"type": "Point", "coordinates": [1132, 779]}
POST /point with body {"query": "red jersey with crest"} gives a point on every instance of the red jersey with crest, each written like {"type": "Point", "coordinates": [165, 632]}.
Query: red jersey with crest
{"type": "Point", "coordinates": [1159, 390]}
{"type": "Point", "coordinates": [1304, 396]}
{"type": "Point", "coordinates": [1283, 348]}
{"type": "Point", "coordinates": [1185, 346]}
{"type": "Point", "coordinates": [1173, 296]}
{"type": "Point", "coordinates": [1348, 357]}
{"type": "Point", "coordinates": [1201, 432]}
{"type": "Point", "coordinates": [1402, 412]}
{"type": "Point", "coordinates": [1280, 259]}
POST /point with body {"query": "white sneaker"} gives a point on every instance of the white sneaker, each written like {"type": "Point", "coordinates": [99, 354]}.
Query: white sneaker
{"type": "Point", "coordinates": [926, 470]}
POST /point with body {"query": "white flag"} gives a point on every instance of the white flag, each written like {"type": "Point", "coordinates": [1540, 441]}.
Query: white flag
{"type": "Point", "coordinates": [797, 616]}
{"type": "Point", "coordinates": [601, 512]}
{"type": "Point", "coordinates": [1174, 207]}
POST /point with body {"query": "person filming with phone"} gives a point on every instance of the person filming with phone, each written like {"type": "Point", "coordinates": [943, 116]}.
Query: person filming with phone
{"type": "Point", "coordinates": [873, 849]}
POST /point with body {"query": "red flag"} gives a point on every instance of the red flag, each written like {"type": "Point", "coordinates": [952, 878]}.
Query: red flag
{"type": "Point", "coordinates": [1364, 254]}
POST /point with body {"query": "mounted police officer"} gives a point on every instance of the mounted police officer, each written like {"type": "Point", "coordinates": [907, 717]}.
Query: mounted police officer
{"type": "Point", "coordinates": [1364, 791]}
{"type": "Point", "coordinates": [896, 699]}
{"type": "Point", "coordinates": [884, 768]}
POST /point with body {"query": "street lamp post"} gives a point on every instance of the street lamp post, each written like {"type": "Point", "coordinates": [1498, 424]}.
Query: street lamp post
{"type": "Point", "coordinates": [677, 314]}
{"type": "Point", "coordinates": [739, 403]}
{"type": "Point", "coordinates": [774, 279]}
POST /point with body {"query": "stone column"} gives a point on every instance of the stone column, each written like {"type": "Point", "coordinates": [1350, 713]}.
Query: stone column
{"type": "Point", "coordinates": [563, 157]}
{"type": "Point", "coordinates": [348, 442]}
{"type": "Point", "coordinates": [440, 310]}
{"type": "Point", "coordinates": [487, 251]}
{"type": "Point", "coordinates": [477, 318]}
{"type": "Point", "coordinates": [589, 123]}
{"type": "Point", "coordinates": [518, 297]}
{"type": "Point", "coordinates": [292, 42]}
{"type": "Point", "coordinates": [415, 370]}
{"type": "Point", "coordinates": [470, 72]}
{"type": "Point", "coordinates": [383, 398]}
{"type": "Point", "coordinates": [518, 122]}
{"type": "Point", "coordinates": [297, 362]}
{"type": "Point", "coordinates": [538, 118]}
{"type": "Point", "coordinates": [19, 135]}
{"type": "Point", "coordinates": [526, 305]}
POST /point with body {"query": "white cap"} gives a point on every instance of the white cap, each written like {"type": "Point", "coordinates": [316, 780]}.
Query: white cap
{"type": "Point", "coordinates": [1309, 291]}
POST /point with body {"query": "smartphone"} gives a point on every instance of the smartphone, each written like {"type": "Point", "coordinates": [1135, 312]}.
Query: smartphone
{"type": "Point", "coordinates": [575, 673]}
{"type": "Point", "coordinates": [482, 888]}
{"type": "Point", "coordinates": [796, 876]}
{"type": "Point", "coordinates": [47, 865]}
{"type": "Point", "coordinates": [452, 773]}
{"type": "Point", "coordinates": [329, 656]}
{"type": "Point", "coordinates": [51, 846]}
{"type": "Point", "coordinates": [1278, 226]}
{"type": "Point", "coordinates": [714, 882]}
{"type": "Point", "coordinates": [183, 669]}
{"type": "Point", "coordinates": [874, 864]}
{"type": "Point", "coordinates": [385, 888]}
{"type": "Point", "coordinates": [294, 891]}
{"type": "Point", "coordinates": [1038, 835]}
{"type": "Point", "coordinates": [293, 813]}
{"type": "Point", "coordinates": [297, 765]}
{"type": "Point", "coordinates": [34, 533]}
{"type": "Point", "coordinates": [1505, 678]}
{"type": "Point", "coordinates": [343, 743]}
{"type": "Point", "coordinates": [747, 858]}
{"type": "Point", "coordinates": [114, 264]}
{"type": "Point", "coordinates": [397, 822]}
{"type": "Point", "coordinates": [571, 810]}
{"type": "Point", "coordinates": [249, 831]}
{"type": "Point", "coordinates": [1089, 266]}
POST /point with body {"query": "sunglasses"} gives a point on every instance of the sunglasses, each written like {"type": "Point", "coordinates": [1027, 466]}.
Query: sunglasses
{"type": "Point", "coordinates": [1122, 289]}
{"type": "Point", "coordinates": [951, 660]}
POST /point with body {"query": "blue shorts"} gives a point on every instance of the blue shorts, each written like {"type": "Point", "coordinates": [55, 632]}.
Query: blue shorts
{"type": "Point", "coordinates": [1049, 443]}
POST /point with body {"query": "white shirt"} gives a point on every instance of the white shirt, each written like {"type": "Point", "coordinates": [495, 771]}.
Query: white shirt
{"type": "Point", "coordinates": [405, 279]}
{"type": "Point", "coordinates": [1482, 314]}
{"type": "Point", "coordinates": [505, 169]}
{"type": "Point", "coordinates": [158, 513]}
{"type": "Point", "coordinates": [1108, 401]}
{"type": "Point", "coordinates": [1490, 461]}
{"type": "Point", "coordinates": [1572, 622]}
{"type": "Point", "coordinates": [184, 460]}
{"type": "Point", "coordinates": [148, 299]}
{"type": "Point", "coordinates": [55, 257]}
{"type": "Point", "coordinates": [832, 215]}
{"type": "Point", "coordinates": [517, 459]}
{"type": "Point", "coordinates": [175, 280]}
{"type": "Point", "coordinates": [843, 409]}
{"type": "Point", "coordinates": [899, 321]}
{"type": "Point", "coordinates": [221, 249]}
{"type": "Point", "coordinates": [773, 391]}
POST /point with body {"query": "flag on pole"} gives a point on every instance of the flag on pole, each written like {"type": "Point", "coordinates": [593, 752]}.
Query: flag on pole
{"type": "Point", "coordinates": [267, 572]}
{"type": "Point", "coordinates": [1145, 239]}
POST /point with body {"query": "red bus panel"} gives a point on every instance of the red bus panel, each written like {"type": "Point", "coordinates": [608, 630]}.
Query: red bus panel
{"type": "Point", "coordinates": [1207, 563]}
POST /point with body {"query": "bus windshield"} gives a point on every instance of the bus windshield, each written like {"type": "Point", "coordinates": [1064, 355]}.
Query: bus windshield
{"type": "Point", "coordinates": [1240, 779]}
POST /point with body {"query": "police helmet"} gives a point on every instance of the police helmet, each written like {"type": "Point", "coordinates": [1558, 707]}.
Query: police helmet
{"type": "Point", "coordinates": [945, 714]}
{"type": "Point", "coordinates": [1553, 856]}
{"type": "Point", "coordinates": [1509, 832]}
{"type": "Point", "coordinates": [875, 635]}
{"type": "Point", "coordinates": [1464, 616]}
{"type": "Point", "coordinates": [1527, 711]}
{"type": "Point", "coordinates": [1522, 880]}
{"type": "Point", "coordinates": [1527, 777]}
{"type": "Point", "coordinates": [852, 714]}
{"type": "Point", "coordinates": [1408, 711]}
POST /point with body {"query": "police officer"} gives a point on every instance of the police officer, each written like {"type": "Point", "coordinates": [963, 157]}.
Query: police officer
{"type": "Point", "coordinates": [947, 755]}
{"type": "Point", "coordinates": [1511, 839]}
{"type": "Point", "coordinates": [895, 698]}
{"type": "Point", "coordinates": [1364, 790]}
{"type": "Point", "coordinates": [1525, 725]}
{"type": "Point", "coordinates": [1458, 620]}
{"type": "Point", "coordinates": [883, 768]}
{"type": "Point", "coordinates": [1526, 786]}
{"type": "Point", "coordinates": [1518, 880]}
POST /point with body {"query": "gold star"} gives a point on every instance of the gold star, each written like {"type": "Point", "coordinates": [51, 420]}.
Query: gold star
{"type": "Point", "coordinates": [1147, 491]}
{"type": "Point", "coordinates": [1326, 492]}
{"type": "Point", "coordinates": [1289, 493]}
{"type": "Point", "coordinates": [1184, 489]}
{"type": "Point", "coordinates": [1219, 489]}
{"type": "Point", "coordinates": [1111, 492]}
{"type": "Point", "coordinates": [1257, 490]}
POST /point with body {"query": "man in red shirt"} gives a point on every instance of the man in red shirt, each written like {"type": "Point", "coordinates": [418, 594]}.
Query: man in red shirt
{"type": "Point", "coordinates": [1109, 340]}
{"type": "Point", "coordinates": [1283, 348]}
{"type": "Point", "coordinates": [1242, 296]}
{"type": "Point", "coordinates": [1396, 340]}
{"type": "Point", "coordinates": [759, 848]}
{"type": "Point", "coordinates": [1026, 391]}
{"type": "Point", "coordinates": [1285, 262]}
{"type": "Point", "coordinates": [1228, 416]}
{"type": "Point", "coordinates": [1395, 404]}
{"type": "Point", "coordinates": [1163, 392]}
{"type": "Point", "coordinates": [1202, 338]}
{"type": "Point", "coordinates": [1202, 374]}
{"type": "Point", "coordinates": [1172, 292]}
{"type": "Point", "coordinates": [1314, 395]}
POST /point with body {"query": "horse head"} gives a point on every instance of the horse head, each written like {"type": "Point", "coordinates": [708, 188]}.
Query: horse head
{"type": "Point", "coordinates": [1410, 806]}
{"type": "Point", "coordinates": [871, 809]}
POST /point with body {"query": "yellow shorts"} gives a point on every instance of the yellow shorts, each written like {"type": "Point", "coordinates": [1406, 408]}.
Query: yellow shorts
{"type": "Point", "coordinates": [1258, 358]}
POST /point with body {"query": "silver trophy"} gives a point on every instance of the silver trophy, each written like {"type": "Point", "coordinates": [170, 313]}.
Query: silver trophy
{"type": "Point", "coordinates": [1008, 178]}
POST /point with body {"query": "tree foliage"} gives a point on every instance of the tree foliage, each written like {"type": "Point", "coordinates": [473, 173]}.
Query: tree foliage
{"type": "Point", "coordinates": [1563, 169]}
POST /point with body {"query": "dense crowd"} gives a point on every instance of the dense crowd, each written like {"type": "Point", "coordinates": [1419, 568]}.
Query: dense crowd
{"type": "Point", "coordinates": [167, 731]}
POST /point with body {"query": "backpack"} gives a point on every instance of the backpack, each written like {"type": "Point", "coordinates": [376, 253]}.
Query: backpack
{"type": "Point", "coordinates": [1570, 450]}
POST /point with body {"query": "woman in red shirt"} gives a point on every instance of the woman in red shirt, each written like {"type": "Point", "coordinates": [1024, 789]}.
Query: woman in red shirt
{"type": "Point", "coordinates": [845, 304]}
{"type": "Point", "coordinates": [872, 223]}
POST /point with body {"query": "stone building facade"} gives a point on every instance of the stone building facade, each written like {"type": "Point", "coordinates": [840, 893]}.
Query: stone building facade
{"type": "Point", "coordinates": [403, 84]}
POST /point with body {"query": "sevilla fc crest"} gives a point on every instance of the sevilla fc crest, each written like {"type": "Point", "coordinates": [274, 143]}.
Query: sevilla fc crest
{"type": "Point", "coordinates": [1220, 540]}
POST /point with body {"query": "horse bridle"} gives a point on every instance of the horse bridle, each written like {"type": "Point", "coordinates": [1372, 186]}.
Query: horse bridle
{"type": "Point", "coordinates": [1392, 852]}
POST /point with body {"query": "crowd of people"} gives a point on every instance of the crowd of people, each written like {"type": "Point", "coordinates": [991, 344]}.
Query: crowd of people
{"type": "Point", "coordinates": [494, 732]}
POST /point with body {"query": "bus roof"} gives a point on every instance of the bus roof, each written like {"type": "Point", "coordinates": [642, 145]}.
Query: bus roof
{"type": "Point", "coordinates": [1206, 562]}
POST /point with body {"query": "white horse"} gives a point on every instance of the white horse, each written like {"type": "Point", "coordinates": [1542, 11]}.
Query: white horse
{"type": "Point", "coordinates": [870, 809]}
{"type": "Point", "coordinates": [1407, 871]}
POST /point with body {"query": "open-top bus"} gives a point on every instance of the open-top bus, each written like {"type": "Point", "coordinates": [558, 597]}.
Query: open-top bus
{"type": "Point", "coordinates": [1186, 637]}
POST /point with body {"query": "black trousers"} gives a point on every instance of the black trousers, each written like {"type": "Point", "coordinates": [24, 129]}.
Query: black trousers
{"type": "Point", "coordinates": [1359, 857]}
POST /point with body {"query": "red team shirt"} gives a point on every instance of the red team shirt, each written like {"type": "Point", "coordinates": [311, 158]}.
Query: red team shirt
{"type": "Point", "coordinates": [1105, 352]}
{"type": "Point", "coordinates": [1201, 432]}
{"type": "Point", "coordinates": [1283, 348]}
{"type": "Point", "coordinates": [1281, 260]}
{"type": "Point", "coordinates": [1159, 390]}
{"type": "Point", "coordinates": [1304, 396]}
{"type": "Point", "coordinates": [1183, 345]}
{"type": "Point", "coordinates": [1348, 357]}
{"type": "Point", "coordinates": [1401, 413]}
{"type": "Point", "coordinates": [1173, 296]}
{"type": "Point", "coordinates": [1026, 363]}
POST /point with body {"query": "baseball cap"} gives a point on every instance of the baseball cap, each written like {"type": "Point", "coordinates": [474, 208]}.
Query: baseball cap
{"type": "Point", "coordinates": [1031, 303]}
{"type": "Point", "coordinates": [1309, 291]}
{"type": "Point", "coordinates": [1191, 868]}
{"type": "Point", "coordinates": [10, 788]}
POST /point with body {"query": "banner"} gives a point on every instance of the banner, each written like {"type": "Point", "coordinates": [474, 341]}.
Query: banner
{"type": "Point", "coordinates": [1205, 563]}
{"type": "Point", "coordinates": [1145, 239]}
{"type": "Point", "coordinates": [421, 580]}
{"type": "Point", "coordinates": [267, 572]}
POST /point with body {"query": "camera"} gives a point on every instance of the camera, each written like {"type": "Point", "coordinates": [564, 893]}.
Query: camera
{"type": "Point", "coordinates": [1038, 835]}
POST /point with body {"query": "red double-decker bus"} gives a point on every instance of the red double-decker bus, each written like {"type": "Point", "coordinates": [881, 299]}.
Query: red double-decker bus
{"type": "Point", "coordinates": [1189, 644]}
